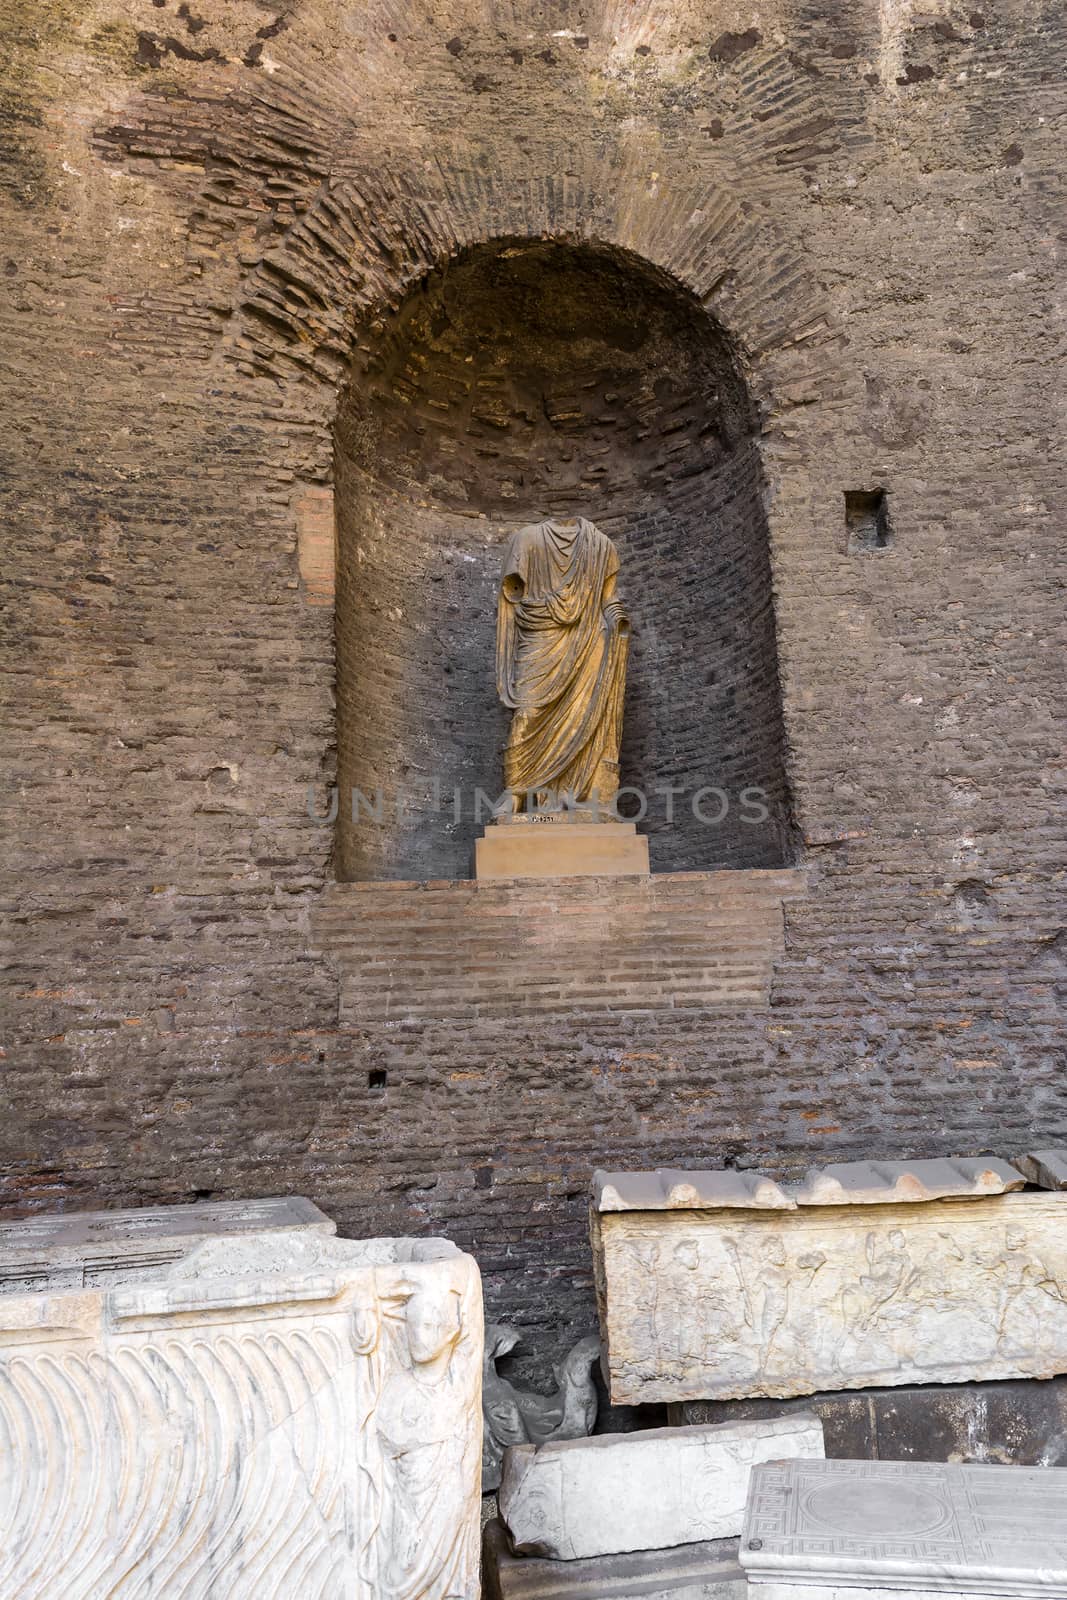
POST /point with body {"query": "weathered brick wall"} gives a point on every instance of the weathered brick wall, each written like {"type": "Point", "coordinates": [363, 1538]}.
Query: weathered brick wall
{"type": "Point", "coordinates": [203, 206]}
{"type": "Point", "coordinates": [463, 952]}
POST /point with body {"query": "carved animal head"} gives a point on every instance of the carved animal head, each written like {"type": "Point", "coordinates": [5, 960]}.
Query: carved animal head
{"type": "Point", "coordinates": [498, 1342]}
{"type": "Point", "coordinates": [576, 1364]}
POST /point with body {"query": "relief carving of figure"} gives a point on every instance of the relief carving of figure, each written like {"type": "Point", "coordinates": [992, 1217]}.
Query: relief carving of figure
{"type": "Point", "coordinates": [426, 1451]}
{"type": "Point", "coordinates": [868, 1302]}
{"type": "Point", "coordinates": [776, 1282]}
{"type": "Point", "coordinates": [1020, 1274]}
{"type": "Point", "coordinates": [766, 1303]}
{"type": "Point", "coordinates": [562, 643]}
{"type": "Point", "coordinates": [890, 1274]}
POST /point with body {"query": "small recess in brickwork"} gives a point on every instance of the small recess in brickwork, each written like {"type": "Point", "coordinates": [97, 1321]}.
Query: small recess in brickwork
{"type": "Point", "coordinates": [377, 1078]}
{"type": "Point", "coordinates": [867, 520]}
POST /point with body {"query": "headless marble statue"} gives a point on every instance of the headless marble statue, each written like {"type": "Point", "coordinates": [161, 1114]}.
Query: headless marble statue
{"type": "Point", "coordinates": [562, 644]}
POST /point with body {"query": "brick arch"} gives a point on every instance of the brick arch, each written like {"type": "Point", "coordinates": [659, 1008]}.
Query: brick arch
{"type": "Point", "coordinates": [291, 165]}
{"type": "Point", "coordinates": [362, 237]}
{"type": "Point", "coordinates": [363, 243]}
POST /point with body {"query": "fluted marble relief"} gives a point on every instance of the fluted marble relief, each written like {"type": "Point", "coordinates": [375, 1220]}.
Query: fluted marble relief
{"type": "Point", "coordinates": [267, 1418]}
{"type": "Point", "coordinates": [718, 1304]}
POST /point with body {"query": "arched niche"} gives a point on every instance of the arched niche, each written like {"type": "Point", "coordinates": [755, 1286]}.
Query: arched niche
{"type": "Point", "coordinates": [527, 379]}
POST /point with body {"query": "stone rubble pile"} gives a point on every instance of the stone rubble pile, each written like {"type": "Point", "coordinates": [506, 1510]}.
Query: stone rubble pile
{"type": "Point", "coordinates": [718, 1285]}
{"type": "Point", "coordinates": [228, 1402]}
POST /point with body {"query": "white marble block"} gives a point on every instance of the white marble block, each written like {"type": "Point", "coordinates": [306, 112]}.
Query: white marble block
{"type": "Point", "coordinates": [641, 1491]}
{"type": "Point", "coordinates": [820, 1528]}
{"type": "Point", "coordinates": [724, 1303]}
{"type": "Point", "coordinates": [275, 1417]}
{"type": "Point", "coordinates": [73, 1249]}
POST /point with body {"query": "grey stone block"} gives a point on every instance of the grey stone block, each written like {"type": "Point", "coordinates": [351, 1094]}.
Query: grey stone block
{"type": "Point", "coordinates": [1019, 1421]}
{"type": "Point", "coordinates": [670, 1190]}
{"type": "Point", "coordinates": [1047, 1168]}
{"type": "Point", "coordinates": [870, 1183]}
{"type": "Point", "coordinates": [77, 1249]}
{"type": "Point", "coordinates": [687, 1572]}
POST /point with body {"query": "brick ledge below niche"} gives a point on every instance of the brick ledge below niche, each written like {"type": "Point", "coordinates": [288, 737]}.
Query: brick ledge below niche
{"type": "Point", "coordinates": [466, 950]}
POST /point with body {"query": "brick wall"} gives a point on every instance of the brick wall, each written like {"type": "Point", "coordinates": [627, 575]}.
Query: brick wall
{"type": "Point", "coordinates": [196, 226]}
{"type": "Point", "coordinates": [407, 952]}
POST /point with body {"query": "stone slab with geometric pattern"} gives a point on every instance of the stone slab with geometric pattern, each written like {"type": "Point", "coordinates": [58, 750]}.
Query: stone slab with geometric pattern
{"type": "Point", "coordinates": [815, 1527]}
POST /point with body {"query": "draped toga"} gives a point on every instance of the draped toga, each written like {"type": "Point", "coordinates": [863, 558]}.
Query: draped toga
{"type": "Point", "coordinates": [561, 650]}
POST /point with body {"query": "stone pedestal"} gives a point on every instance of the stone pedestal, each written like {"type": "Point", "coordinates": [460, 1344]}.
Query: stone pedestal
{"type": "Point", "coordinates": [560, 846]}
{"type": "Point", "coordinates": [817, 1529]}
{"type": "Point", "coordinates": [689, 1572]}
{"type": "Point", "coordinates": [272, 1416]}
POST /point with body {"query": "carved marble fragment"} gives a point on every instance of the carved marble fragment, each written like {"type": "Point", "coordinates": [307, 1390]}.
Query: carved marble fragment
{"type": "Point", "coordinates": [822, 1528]}
{"type": "Point", "coordinates": [515, 1416]}
{"type": "Point", "coordinates": [1047, 1168]}
{"type": "Point", "coordinates": [270, 1417]}
{"type": "Point", "coordinates": [870, 1183]}
{"type": "Point", "coordinates": [76, 1249]}
{"type": "Point", "coordinates": [670, 1190]}
{"type": "Point", "coordinates": [844, 1183]}
{"type": "Point", "coordinates": [647, 1490]}
{"type": "Point", "coordinates": [723, 1304]}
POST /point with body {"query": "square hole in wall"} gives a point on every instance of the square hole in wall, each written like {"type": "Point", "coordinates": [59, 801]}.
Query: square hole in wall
{"type": "Point", "coordinates": [377, 1078]}
{"type": "Point", "coordinates": [867, 520]}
